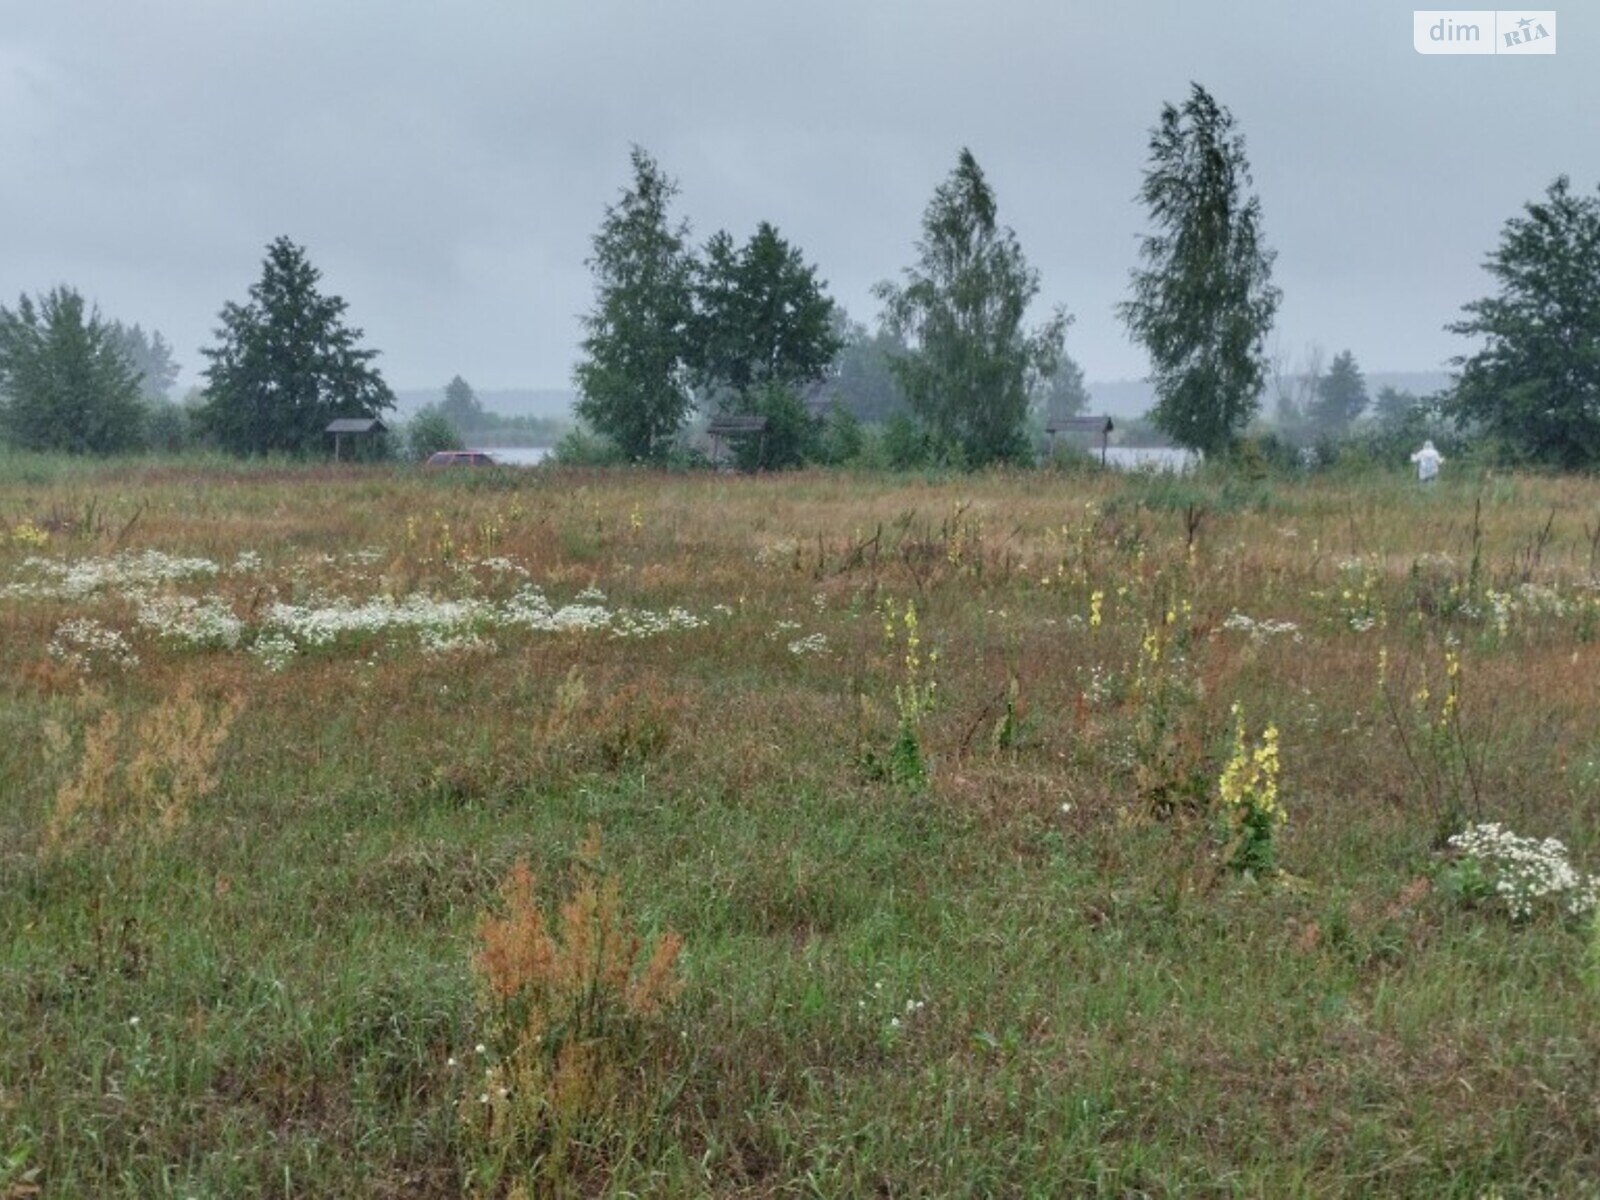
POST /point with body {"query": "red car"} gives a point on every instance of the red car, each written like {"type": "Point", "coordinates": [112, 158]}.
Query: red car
{"type": "Point", "coordinates": [460, 458]}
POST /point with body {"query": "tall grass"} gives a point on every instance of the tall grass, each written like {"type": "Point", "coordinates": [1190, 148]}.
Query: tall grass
{"type": "Point", "coordinates": [254, 884]}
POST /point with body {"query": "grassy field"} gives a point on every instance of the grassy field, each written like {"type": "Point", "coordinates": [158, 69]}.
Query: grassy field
{"type": "Point", "coordinates": [947, 786]}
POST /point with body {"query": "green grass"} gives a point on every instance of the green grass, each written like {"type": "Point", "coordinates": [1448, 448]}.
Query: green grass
{"type": "Point", "coordinates": [266, 1000]}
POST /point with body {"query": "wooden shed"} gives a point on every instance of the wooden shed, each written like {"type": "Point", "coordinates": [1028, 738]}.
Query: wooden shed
{"type": "Point", "coordinates": [357, 427]}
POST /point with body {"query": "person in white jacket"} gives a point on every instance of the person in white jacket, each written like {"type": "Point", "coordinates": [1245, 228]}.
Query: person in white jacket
{"type": "Point", "coordinates": [1427, 460]}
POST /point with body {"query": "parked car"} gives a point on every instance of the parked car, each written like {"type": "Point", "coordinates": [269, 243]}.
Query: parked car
{"type": "Point", "coordinates": [460, 458]}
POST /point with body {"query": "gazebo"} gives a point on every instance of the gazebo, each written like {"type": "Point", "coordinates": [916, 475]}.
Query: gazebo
{"type": "Point", "coordinates": [1091, 425]}
{"type": "Point", "coordinates": [353, 427]}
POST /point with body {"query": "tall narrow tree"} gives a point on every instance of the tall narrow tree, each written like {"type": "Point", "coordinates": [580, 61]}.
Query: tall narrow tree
{"type": "Point", "coordinates": [1203, 302]}
{"type": "Point", "coordinates": [461, 406]}
{"type": "Point", "coordinates": [633, 380]}
{"type": "Point", "coordinates": [286, 364]}
{"type": "Point", "coordinates": [970, 364]}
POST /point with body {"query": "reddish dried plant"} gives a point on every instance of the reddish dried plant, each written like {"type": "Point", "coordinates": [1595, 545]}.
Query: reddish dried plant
{"type": "Point", "coordinates": [570, 1007]}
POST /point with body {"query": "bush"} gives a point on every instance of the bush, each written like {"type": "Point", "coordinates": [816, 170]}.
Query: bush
{"type": "Point", "coordinates": [842, 439]}
{"type": "Point", "coordinates": [792, 436]}
{"type": "Point", "coordinates": [906, 445]}
{"type": "Point", "coordinates": [585, 448]}
{"type": "Point", "coordinates": [429, 432]}
{"type": "Point", "coordinates": [167, 427]}
{"type": "Point", "coordinates": [1068, 457]}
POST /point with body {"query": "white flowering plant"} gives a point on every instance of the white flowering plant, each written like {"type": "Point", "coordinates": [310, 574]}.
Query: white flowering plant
{"type": "Point", "coordinates": [1528, 875]}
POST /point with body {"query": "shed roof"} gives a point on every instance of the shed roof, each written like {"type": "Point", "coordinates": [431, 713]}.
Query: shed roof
{"type": "Point", "coordinates": [1080, 425]}
{"type": "Point", "coordinates": [357, 425]}
{"type": "Point", "coordinates": [723, 426]}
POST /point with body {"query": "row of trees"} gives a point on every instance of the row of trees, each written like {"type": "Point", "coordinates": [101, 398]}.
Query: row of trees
{"type": "Point", "coordinates": [742, 330]}
{"type": "Point", "coordinates": [285, 364]}
{"type": "Point", "coordinates": [749, 329]}
{"type": "Point", "coordinates": [1201, 304]}
{"type": "Point", "coordinates": [738, 329]}
{"type": "Point", "coordinates": [72, 381]}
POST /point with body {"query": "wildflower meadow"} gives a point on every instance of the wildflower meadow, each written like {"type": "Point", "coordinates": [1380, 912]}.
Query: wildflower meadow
{"type": "Point", "coordinates": [560, 832]}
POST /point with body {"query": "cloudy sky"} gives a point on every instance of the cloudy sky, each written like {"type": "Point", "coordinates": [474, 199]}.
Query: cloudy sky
{"type": "Point", "coordinates": [447, 164]}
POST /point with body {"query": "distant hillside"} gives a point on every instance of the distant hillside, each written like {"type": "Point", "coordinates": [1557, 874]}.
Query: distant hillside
{"type": "Point", "coordinates": [508, 402]}
{"type": "Point", "coordinates": [1134, 397]}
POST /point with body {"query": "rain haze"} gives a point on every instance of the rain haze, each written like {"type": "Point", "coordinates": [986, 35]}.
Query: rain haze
{"type": "Point", "coordinates": [447, 165]}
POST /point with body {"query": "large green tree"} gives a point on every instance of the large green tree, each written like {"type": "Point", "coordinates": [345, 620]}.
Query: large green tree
{"type": "Point", "coordinates": [1341, 396]}
{"type": "Point", "coordinates": [285, 364]}
{"type": "Point", "coordinates": [633, 380]}
{"type": "Point", "coordinates": [763, 331]}
{"type": "Point", "coordinates": [65, 383]}
{"type": "Point", "coordinates": [1203, 301]}
{"type": "Point", "coordinates": [970, 363]}
{"type": "Point", "coordinates": [1535, 384]}
{"type": "Point", "coordinates": [762, 317]}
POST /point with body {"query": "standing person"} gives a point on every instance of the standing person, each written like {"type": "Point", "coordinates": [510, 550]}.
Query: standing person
{"type": "Point", "coordinates": [1427, 460]}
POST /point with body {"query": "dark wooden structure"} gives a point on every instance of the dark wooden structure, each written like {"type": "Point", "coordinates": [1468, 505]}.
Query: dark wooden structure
{"type": "Point", "coordinates": [726, 428]}
{"type": "Point", "coordinates": [1090, 425]}
{"type": "Point", "coordinates": [353, 427]}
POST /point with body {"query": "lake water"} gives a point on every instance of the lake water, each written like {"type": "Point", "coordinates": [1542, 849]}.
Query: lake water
{"type": "Point", "coordinates": [1149, 458]}
{"type": "Point", "coordinates": [519, 456]}
{"type": "Point", "coordinates": [1126, 458]}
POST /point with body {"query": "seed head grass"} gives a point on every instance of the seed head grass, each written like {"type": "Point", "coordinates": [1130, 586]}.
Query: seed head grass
{"type": "Point", "coordinates": [277, 737]}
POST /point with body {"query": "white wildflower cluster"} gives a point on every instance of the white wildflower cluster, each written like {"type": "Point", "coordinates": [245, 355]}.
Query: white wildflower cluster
{"type": "Point", "coordinates": [316, 619]}
{"type": "Point", "coordinates": [436, 641]}
{"type": "Point", "coordinates": [206, 623]}
{"type": "Point", "coordinates": [1527, 872]}
{"type": "Point", "coordinates": [1524, 600]}
{"type": "Point", "coordinates": [781, 629]}
{"type": "Point", "coordinates": [814, 643]}
{"type": "Point", "coordinates": [1238, 622]}
{"type": "Point", "coordinates": [500, 565]}
{"type": "Point", "coordinates": [85, 645]}
{"type": "Point", "coordinates": [1100, 687]}
{"type": "Point", "coordinates": [773, 553]}
{"type": "Point", "coordinates": [321, 624]}
{"type": "Point", "coordinates": [649, 624]}
{"type": "Point", "coordinates": [444, 625]}
{"type": "Point", "coordinates": [130, 572]}
{"type": "Point", "coordinates": [275, 651]}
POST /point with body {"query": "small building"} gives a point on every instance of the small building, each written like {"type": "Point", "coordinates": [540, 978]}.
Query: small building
{"type": "Point", "coordinates": [353, 427]}
{"type": "Point", "coordinates": [726, 428]}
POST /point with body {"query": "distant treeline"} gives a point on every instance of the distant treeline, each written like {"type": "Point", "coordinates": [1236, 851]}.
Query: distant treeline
{"type": "Point", "coordinates": [953, 373]}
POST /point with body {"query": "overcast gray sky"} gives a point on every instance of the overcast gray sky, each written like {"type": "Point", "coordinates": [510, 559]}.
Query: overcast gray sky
{"type": "Point", "coordinates": [447, 164]}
